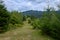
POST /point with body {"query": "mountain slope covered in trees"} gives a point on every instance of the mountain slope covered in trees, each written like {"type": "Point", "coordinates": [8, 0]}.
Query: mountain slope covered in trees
{"type": "Point", "coordinates": [33, 13]}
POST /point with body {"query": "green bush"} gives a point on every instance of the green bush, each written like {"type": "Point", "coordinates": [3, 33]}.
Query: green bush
{"type": "Point", "coordinates": [51, 26]}
{"type": "Point", "coordinates": [24, 18]}
{"type": "Point", "coordinates": [29, 20]}
{"type": "Point", "coordinates": [4, 18]}
{"type": "Point", "coordinates": [52, 29]}
{"type": "Point", "coordinates": [35, 23]}
{"type": "Point", "coordinates": [16, 17]}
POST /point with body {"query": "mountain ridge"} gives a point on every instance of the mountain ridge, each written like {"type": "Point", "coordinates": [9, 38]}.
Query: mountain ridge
{"type": "Point", "coordinates": [33, 13]}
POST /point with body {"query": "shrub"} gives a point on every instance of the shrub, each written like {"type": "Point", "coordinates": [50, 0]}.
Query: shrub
{"type": "Point", "coordinates": [35, 23]}
{"type": "Point", "coordinates": [51, 26]}
{"type": "Point", "coordinates": [4, 18]}
{"type": "Point", "coordinates": [16, 17]}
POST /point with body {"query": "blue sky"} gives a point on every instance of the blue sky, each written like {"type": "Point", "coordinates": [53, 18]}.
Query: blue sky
{"type": "Point", "coordinates": [24, 5]}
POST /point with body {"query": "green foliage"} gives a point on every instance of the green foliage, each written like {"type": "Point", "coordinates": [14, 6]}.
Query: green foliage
{"type": "Point", "coordinates": [16, 17]}
{"type": "Point", "coordinates": [4, 18]}
{"type": "Point", "coordinates": [24, 18]}
{"type": "Point", "coordinates": [9, 20]}
{"type": "Point", "coordinates": [29, 20]}
{"type": "Point", "coordinates": [49, 24]}
{"type": "Point", "coordinates": [16, 20]}
{"type": "Point", "coordinates": [35, 23]}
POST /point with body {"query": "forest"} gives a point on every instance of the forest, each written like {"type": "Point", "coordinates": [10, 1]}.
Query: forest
{"type": "Point", "coordinates": [47, 23]}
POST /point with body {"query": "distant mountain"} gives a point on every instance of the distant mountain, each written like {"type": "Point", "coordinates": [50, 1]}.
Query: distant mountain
{"type": "Point", "coordinates": [33, 13]}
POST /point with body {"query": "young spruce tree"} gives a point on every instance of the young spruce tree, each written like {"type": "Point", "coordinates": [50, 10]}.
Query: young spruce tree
{"type": "Point", "coordinates": [4, 18]}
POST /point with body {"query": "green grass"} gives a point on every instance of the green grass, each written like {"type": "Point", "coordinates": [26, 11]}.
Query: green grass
{"type": "Point", "coordinates": [24, 33]}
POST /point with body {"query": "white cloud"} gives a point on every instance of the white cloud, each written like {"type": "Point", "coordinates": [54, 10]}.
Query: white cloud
{"type": "Point", "coordinates": [23, 5]}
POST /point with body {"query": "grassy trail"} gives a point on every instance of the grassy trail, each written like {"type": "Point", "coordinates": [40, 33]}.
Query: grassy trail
{"type": "Point", "coordinates": [24, 33]}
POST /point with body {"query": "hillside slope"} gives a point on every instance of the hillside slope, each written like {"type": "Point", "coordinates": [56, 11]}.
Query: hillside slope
{"type": "Point", "coordinates": [33, 13]}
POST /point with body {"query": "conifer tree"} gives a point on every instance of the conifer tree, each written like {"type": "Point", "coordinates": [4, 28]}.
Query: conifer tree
{"type": "Point", "coordinates": [4, 18]}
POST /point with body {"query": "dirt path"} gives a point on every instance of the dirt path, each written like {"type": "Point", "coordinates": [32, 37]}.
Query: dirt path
{"type": "Point", "coordinates": [24, 33]}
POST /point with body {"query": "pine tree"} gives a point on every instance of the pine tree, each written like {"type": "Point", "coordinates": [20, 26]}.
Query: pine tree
{"type": "Point", "coordinates": [4, 18]}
